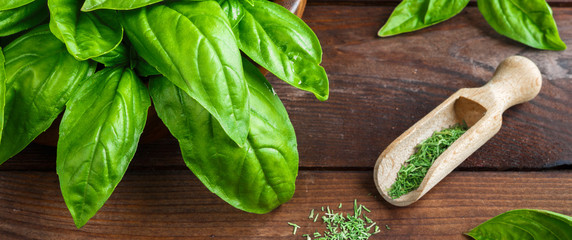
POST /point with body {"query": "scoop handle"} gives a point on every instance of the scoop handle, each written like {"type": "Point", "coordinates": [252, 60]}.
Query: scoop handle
{"type": "Point", "coordinates": [516, 80]}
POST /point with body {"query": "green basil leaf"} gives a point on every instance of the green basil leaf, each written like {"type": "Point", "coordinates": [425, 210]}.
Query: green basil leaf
{"type": "Point", "coordinates": [23, 18]}
{"type": "Point", "coordinates": [98, 138]}
{"type": "Point", "coordinates": [11, 4]}
{"type": "Point", "coordinates": [234, 10]}
{"type": "Point", "coordinates": [86, 35]}
{"type": "Point", "coordinates": [2, 91]}
{"type": "Point", "coordinates": [525, 224]}
{"type": "Point", "coordinates": [412, 15]}
{"type": "Point", "coordinates": [281, 42]}
{"type": "Point", "coordinates": [41, 78]}
{"type": "Point", "coordinates": [91, 5]}
{"type": "Point", "coordinates": [526, 21]}
{"type": "Point", "coordinates": [119, 56]}
{"type": "Point", "coordinates": [192, 44]}
{"type": "Point", "coordinates": [144, 69]}
{"type": "Point", "coordinates": [257, 177]}
{"type": "Point", "coordinates": [251, 2]}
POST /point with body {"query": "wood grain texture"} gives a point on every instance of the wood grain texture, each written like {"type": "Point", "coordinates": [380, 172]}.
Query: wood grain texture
{"type": "Point", "coordinates": [173, 205]}
{"type": "Point", "coordinates": [382, 86]}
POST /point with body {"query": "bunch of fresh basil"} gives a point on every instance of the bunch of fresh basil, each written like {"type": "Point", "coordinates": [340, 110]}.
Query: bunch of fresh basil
{"type": "Point", "coordinates": [92, 61]}
{"type": "Point", "coordinates": [527, 21]}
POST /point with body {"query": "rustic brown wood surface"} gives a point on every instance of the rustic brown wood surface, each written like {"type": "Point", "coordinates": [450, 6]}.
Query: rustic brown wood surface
{"type": "Point", "coordinates": [379, 88]}
{"type": "Point", "coordinates": [382, 86]}
{"type": "Point", "coordinates": [174, 204]}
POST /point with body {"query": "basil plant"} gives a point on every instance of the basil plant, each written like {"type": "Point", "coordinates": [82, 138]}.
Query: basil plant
{"type": "Point", "coordinates": [102, 63]}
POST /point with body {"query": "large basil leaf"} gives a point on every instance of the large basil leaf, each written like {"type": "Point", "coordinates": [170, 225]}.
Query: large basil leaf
{"type": "Point", "coordinates": [98, 138]}
{"type": "Point", "coordinates": [86, 35]}
{"type": "Point", "coordinates": [192, 44]}
{"type": "Point", "coordinates": [2, 91]}
{"type": "Point", "coordinates": [11, 4]}
{"type": "Point", "coordinates": [281, 42]}
{"type": "Point", "coordinates": [411, 15]}
{"type": "Point", "coordinates": [255, 178]}
{"type": "Point", "coordinates": [22, 18]}
{"type": "Point", "coordinates": [91, 5]}
{"type": "Point", "coordinates": [526, 21]}
{"type": "Point", "coordinates": [525, 224]}
{"type": "Point", "coordinates": [41, 77]}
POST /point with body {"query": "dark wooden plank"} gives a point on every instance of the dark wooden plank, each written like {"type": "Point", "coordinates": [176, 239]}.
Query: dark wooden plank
{"type": "Point", "coordinates": [380, 87]}
{"type": "Point", "coordinates": [173, 204]}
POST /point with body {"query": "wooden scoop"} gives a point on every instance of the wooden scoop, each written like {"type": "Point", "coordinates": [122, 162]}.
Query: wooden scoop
{"type": "Point", "coordinates": [516, 80]}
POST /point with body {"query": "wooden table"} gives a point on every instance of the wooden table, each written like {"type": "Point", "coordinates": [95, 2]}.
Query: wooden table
{"type": "Point", "coordinates": [379, 87]}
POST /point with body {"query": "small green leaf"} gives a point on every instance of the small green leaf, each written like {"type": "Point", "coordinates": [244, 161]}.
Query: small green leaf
{"type": "Point", "coordinates": [98, 138]}
{"type": "Point", "coordinates": [525, 224]}
{"type": "Point", "coordinates": [526, 21]}
{"type": "Point", "coordinates": [86, 35]}
{"type": "Point", "coordinates": [11, 4]}
{"type": "Point", "coordinates": [23, 18]}
{"type": "Point", "coordinates": [2, 91]}
{"type": "Point", "coordinates": [41, 78]}
{"type": "Point", "coordinates": [250, 2]}
{"type": "Point", "coordinates": [281, 42]}
{"type": "Point", "coordinates": [91, 5]}
{"type": "Point", "coordinates": [119, 56]}
{"type": "Point", "coordinates": [412, 15]}
{"type": "Point", "coordinates": [234, 11]}
{"type": "Point", "coordinates": [144, 69]}
{"type": "Point", "coordinates": [192, 44]}
{"type": "Point", "coordinates": [257, 177]}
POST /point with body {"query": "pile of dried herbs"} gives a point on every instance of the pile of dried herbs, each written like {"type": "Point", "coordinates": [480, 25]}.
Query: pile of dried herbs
{"type": "Point", "coordinates": [351, 227]}
{"type": "Point", "coordinates": [415, 168]}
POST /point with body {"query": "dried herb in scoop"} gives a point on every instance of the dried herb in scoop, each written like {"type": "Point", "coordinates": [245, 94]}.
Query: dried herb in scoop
{"type": "Point", "coordinates": [415, 168]}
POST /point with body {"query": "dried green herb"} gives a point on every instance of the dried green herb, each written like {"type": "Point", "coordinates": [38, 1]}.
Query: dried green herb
{"type": "Point", "coordinates": [415, 168]}
{"type": "Point", "coordinates": [352, 227]}
{"type": "Point", "coordinates": [295, 227]}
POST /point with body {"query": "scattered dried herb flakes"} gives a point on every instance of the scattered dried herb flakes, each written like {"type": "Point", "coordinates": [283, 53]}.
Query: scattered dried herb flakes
{"type": "Point", "coordinates": [351, 227]}
{"type": "Point", "coordinates": [295, 227]}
